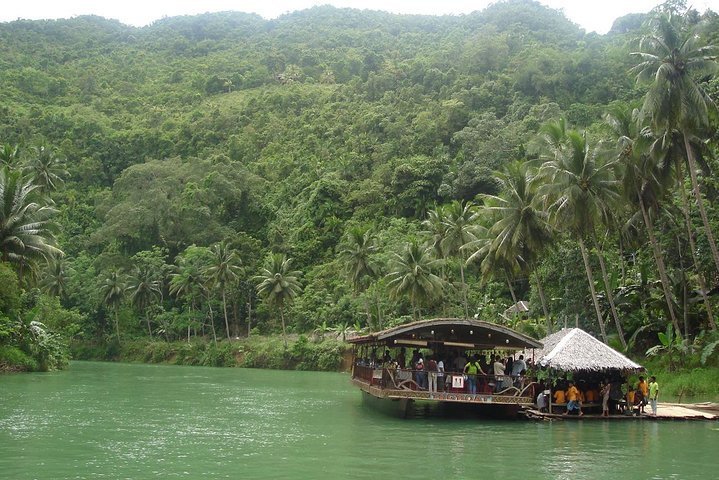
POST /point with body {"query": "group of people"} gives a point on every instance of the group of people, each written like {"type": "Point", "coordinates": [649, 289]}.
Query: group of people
{"type": "Point", "coordinates": [631, 400]}
{"type": "Point", "coordinates": [432, 371]}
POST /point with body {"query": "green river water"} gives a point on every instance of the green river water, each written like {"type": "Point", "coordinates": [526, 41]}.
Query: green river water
{"type": "Point", "coordinates": [119, 421]}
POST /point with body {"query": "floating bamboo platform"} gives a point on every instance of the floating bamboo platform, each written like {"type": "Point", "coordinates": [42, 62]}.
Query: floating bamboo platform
{"type": "Point", "coordinates": [665, 411]}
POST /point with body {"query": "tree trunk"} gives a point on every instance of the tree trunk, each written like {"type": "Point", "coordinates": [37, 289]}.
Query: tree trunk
{"type": "Point", "coordinates": [590, 279]}
{"type": "Point", "coordinates": [693, 248]}
{"type": "Point", "coordinates": [622, 263]}
{"type": "Point", "coordinates": [464, 288]}
{"type": "Point", "coordinates": [227, 323]}
{"type": "Point", "coordinates": [212, 320]}
{"type": "Point", "coordinates": [379, 312]}
{"type": "Point", "coordinates": [543, 299]}
{"type": "Point", "coordinates": [610, 294]}
{"type": "Point", "coordinates": [700, 201]}
{"type": "Point", "coordinates": [249, 317]}
{"type": "Point", "coordinates": [658, 257]}
{"type": "Point", "coordinates": [369, 315]}
{"type": "Point", "coordinates": [284, 332]}
{"type": "Point", "coordinates": [511, 291]}
{"type": "Point", "coordinates": [235, 317]}
{"type": "Point", "coordinates": [117, 326]}
{"type": "Point", "coordinates": [149, 328]}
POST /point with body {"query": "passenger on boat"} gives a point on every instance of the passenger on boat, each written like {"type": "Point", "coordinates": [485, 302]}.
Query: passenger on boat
{"type": "Point", "coordinates": [559, 396]}
{"type": "Point", "coordinates": [639, 402]}
{"type": "Point", "coordinates": [629, 397]}
{"type": "Point", "coordinates": [604, 392]}
{"type": "Point", "coordinates": [483, 363]}
{"type": "Point", "coordinates": [592, 394]}
{"type": "Point", "coordinates": [387, 358]}
{"type": "Point", "coordinates": [420, 374]}
{"type": "Point", "coordinates": [432, 374]}
{"type": "Point", "coordinates": [643, 387]}
{"type": "Point", "coordinates": [459, 362]}
{"type": "Point", "coordinates": [543, 400]}
{"type": "Point", "coordinates": [573, 400]}
{"type": "Point", "coordinates": [498, 369]}
{"type": "Point", "coordinates": [519, 366]}
{"type": "Point", "coordinates": [440, 375]}
{"type": "Point", "coordinates": [401, 358]}
{"type": "Point", "coordinates": [415, 358]}
{"type": "Point", "coordinates": [472, 369]}
{"type": "Point", "coordinates": [653, 394]}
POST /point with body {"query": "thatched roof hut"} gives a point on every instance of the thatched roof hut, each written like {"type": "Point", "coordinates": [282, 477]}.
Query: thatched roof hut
{"type": "Point", "coordinates": [573, 349]}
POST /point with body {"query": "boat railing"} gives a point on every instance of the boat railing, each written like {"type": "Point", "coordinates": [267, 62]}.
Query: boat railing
{"type": "Point", "coordinates": [450, 381]}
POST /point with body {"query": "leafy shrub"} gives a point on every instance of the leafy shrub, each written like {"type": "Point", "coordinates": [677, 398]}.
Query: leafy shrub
{"type": "Point", "coordinates": [12, 358]}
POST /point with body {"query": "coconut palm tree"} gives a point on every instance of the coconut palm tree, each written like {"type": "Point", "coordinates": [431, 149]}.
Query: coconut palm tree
{"type": "Point", "coordinates": [27, 231]}
{"type": "Point", "coordinates": [435, 229]}
{"type": "Point", "coordinates": [579, 190]}
{"type": "Point", "coordinates": [46, 168]}
{"type": "Point", "coordinates": [520, 228]}
{"type": "Point", "coordinates": [673, 56]}
{"type": "Point", "coordinates": [55, 278]}
{"type": "Point", "coordinates": [113, 291]}
{"type": "Point", "coordinates": [223, 271]}
{"type": "Point", "coordinates": [9, 155]}
{"type": "Point", "coordinates": [144, 291]}
{"type": "Point", "coordinates": [503, 265]}
{"type": "Point", "coordinates": [357, 254]}
{"type": "Point", "coordinates": [460, 229]}
{"type": "Point", "coordinates": [412, 276]}
{"type": "Point", "coordinates": [645, 180]}
{"type": "Point", "coordinates": [278, 285]}
{"type": "Point", "coordinates": [187, 283]}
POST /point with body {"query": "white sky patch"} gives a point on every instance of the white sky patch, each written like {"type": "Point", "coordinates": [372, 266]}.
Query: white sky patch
{"type": "Point", "coordinates": [592, 15]}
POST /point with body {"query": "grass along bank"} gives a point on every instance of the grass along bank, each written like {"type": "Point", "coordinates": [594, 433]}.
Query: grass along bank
{"type": "Point", "coordinates": [301, 353]}
{"type": "Point", "coordinates": [689, 383]}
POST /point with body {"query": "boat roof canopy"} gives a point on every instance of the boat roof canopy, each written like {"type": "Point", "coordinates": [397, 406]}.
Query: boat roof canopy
{"type": "Point", "coordinates": [450, 332]}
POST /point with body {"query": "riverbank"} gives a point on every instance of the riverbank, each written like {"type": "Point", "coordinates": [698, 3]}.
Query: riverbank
{"type": "Point", "coordinates": [687, 384]}
{"type": "Point", "coordinates": [301, 353]}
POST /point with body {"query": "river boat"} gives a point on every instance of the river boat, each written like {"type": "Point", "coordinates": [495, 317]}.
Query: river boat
{"type": "Point", "coordinates": [380, 369]}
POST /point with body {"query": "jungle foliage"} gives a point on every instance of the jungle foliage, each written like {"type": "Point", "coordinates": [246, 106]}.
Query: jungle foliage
{"type": "Point", "coordinates": [360, 168]}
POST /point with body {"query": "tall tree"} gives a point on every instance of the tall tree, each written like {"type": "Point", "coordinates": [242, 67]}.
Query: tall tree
{"type": "Point", "coordinates": [223, 271]}
{"type": "Point", "coordinates": [644, 182]}
{"type": "Point", "coordinates": [674, 56]}
{"type": "Point", "coordinates": [579, 189]}
{"type": "Point", "coordinates": [188, 283]}
{"type": "Point", "coordinates": [278, 285]}
{"type": "Point", "coordinates": [113, 290]}
{"type": "Point", "coordinates": [357, 254]}
{"type": "Point", "coordinates": [460, 223]}
{"type": "Point", "coordinates": [435, 229]}
{"type": "Point", "coordinates": [9, 155]}
{"type": "Point", "coordinates": [144, 291]}
{"type": "Point", "coordinates": [27, 231]}
{"type": "Point", "coordinates": [412, 276]}
{"type": "Point", "coordinates": [47, 169]}
{"type": "Point", "coordinates": [520, 228]}
{"type": "Point", "coordinates": [55, 278]}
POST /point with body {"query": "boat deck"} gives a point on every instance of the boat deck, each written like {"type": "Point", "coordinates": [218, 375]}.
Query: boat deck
{"type": "Point", "coordinates": [455, 397]}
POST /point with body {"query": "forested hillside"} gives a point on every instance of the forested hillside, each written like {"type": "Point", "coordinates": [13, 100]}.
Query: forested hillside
{"type": "Point", "coordinates": [336, 169]}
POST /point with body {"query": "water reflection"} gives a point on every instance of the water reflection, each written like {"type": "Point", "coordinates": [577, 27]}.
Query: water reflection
{"type": "Point", "coordinates": [138, 421]}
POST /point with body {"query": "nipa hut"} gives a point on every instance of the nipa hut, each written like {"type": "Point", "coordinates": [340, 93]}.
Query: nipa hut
{"type": "Point", "coordinates": [573, 349]}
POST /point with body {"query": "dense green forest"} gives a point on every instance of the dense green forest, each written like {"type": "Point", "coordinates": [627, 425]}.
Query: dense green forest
{"type": "Point", "coordinates": [334, 170]}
